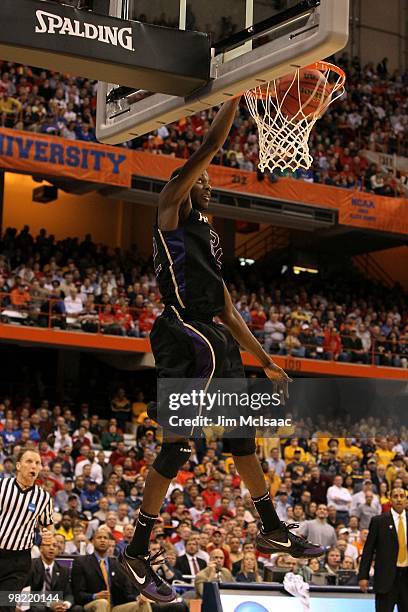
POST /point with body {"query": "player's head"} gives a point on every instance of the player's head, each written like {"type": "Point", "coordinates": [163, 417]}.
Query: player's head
{"type": "Point", "coordinates": [28, 466]}
{"type": "Point", "coordinates": [200, 193]}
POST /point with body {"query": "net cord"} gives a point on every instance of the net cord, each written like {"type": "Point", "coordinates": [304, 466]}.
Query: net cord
{"type": "Point", "coordinates": [283, 140]}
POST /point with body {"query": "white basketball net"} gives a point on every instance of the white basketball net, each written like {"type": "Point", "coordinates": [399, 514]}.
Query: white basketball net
{"type": "Point", "coordinates": [283, 141]}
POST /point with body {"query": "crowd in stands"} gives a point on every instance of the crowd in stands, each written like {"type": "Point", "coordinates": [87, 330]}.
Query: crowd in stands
{"type": "Point", "coordinates": [372, 115]}
{"type": "Point", "coordinates": [87, 287]}
{"type": "Point", "coordinates": [46, 102]}
{"type": "Point", "coordinates": [95, 470]}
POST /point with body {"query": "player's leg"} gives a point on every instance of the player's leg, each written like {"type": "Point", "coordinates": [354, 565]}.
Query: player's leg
{"type": "Point", "coordinates": [175, 352]}
{"type": "Point", "coordinates": [243, 449]}
{"type": "Point", "coordinates": [274, 535]}
{"type": "Point", "coordinates": [173, 455]}
{"type": "Point", "coordinates": [136, 559]}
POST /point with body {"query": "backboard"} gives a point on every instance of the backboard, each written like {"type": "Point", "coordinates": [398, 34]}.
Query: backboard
{"type": "Point", "coordinates": [253, 41]}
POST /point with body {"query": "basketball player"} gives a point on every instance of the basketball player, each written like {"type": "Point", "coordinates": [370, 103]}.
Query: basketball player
{"type": "Point", "coordinates": [186, 343]}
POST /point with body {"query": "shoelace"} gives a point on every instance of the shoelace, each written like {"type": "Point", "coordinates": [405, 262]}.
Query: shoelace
{"type": "Point", "coordinates": [298, 537]}
{"type": "Point", "coordinates": [291, 525]}
{"type": "Point", "coordinates": [154, 560]}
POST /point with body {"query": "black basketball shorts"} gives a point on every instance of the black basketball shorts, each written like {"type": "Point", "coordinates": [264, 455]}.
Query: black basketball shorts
{"type": "Point", "coordinates": [194, 349]}
{"type": "Point", "coordinates": [199, 350]}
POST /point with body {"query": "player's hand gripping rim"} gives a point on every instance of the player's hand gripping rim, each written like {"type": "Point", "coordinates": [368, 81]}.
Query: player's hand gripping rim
{"type": "Point", "coordinates": [279, 379]}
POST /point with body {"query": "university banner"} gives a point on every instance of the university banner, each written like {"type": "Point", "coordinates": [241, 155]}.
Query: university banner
{"type": "Point", "coordinates": [355, 208]}
{"type": "Point", "coordinates": [43, 154]}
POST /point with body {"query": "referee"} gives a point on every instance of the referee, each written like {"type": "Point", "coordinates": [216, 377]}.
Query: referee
{"type": "Point", "coordinates": [24, 506]}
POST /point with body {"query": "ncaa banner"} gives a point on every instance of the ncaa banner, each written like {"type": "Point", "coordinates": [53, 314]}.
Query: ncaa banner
{"type": "Point", "coordinates": [355, 208]}
{"type": "Point", "coordinates": [42, 154]}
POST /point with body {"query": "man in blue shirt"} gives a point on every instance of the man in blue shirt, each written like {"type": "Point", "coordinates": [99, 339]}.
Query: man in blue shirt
{"type": "Point", "coordinates": [9, 434]}
{"type": "Point", "coordinates": [90, 497]}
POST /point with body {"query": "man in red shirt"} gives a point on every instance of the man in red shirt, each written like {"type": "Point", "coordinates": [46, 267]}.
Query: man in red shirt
{"type": "Point", "coordinates": [217, 541]}
{"type": "Point", "coordinates": [331, 342]}
{"type": "Point", "coordinates": [46, 454]}
{"type": "Point", "coordinates": [20, 298]}
{"type": "Point", "coordinates": [124, 318]}
{"type": "Point", "coordinates": [210, 494]}
{"type": "Point", "coordinates": [223, 510]}
{"type": "Point", "coordinates": [258, 320]}
{"type": "Point", "coordinates": [146, 320]}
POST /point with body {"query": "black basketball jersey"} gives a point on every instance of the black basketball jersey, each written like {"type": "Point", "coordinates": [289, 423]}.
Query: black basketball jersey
{"type": "Point", "coordinates": [187, 263]}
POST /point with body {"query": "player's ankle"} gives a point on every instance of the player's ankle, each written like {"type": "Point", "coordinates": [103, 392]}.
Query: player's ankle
{"type": "Point", "coordinates": [135, 551]}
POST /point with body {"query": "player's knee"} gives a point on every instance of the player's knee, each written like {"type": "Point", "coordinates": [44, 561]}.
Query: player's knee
{"type": "Point", "coordinates": [242, 447]}
{"type": "Point", "coordinates": [172, 456]}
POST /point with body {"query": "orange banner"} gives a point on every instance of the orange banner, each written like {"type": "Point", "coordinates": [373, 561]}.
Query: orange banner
{"type": "Point", "coordinates": [356, 208]}
{"type": "Point", "coordinates": [42, 154]}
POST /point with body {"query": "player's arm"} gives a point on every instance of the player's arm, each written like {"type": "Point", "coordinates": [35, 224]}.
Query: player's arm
{"type": "Point", "coordinates": [174, 200]}
{"type": "Point", "coordinates": [239, 329]}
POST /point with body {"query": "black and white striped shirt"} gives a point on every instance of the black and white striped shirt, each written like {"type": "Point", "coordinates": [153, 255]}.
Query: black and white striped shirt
{"type": "Point", "coordinates": [21, 512]}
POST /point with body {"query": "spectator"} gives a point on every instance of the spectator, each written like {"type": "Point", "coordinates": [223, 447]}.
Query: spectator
{"type": "Point", "coordinates": [111, 438]}
{"type": "Point", "coordinates": [65, 527]}
{"type": "Point", "coordinates": [360, 496]}
{"type": "Point", "coordinates": [249, 569]}
{"type": "Point", "coordinates": [276, 463]}
{"type": "Point", "coordinates": [73, 307]}
{"type": "Point", "coordinates": [109, 323]}
{"type": "Point", "coordinates": [96, 472]}
{"type": "Point", "coordinates": [90, 497]}
{"type": "Point", "coordinates": [353, 350]}
{"type": "Point", "coordinates": [79, 545]}
{"type": "Point", "coordinates": [121, 408]}
{"type": "Point", "coordinates": [332, 342]}
{"type": "Point", "coordinates": [318, 485]}
{"type": "Point", "coordinates": [318, 530]}
{"type": "Point", "coordinates": [190, 564]}
{"type": "Point", "coordinates": [146, 320]}
{"type": "Point", "coordinates": [61, 498]}
{"type": "Point", "coordinates": [120, 546]}
{"type": "Point", "coordinates": [215, 572]}
{"type": "Point", "coordinates": [340, 499]}
{"type": "Point", "coordinates": [10, 109]}
{"type": "Point", "coordinates": [333, 561]}
{"type": "Point", "coordinates": [367, 510]}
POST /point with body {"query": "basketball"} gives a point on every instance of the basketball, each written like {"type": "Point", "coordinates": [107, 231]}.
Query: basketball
{"type": "Point", "coordinates": [304, 95]}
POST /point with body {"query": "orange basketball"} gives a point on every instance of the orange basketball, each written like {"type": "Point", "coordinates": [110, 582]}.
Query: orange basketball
{"type": "Point", "coordinates": [307, 93]}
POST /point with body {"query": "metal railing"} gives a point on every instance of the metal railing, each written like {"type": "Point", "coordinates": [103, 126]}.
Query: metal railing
{"type": "Point", "coordinates": [51, 313]}
{"type": "Point", "coordinates": [124, 321]}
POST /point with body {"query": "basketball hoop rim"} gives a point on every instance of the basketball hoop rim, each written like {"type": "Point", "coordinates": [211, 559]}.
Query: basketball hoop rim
{"type": "Point", "coordinates": [323, 66]}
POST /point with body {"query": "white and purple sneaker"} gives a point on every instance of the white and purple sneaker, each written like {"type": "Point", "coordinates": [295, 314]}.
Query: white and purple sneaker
{"type": "Point", "coordinates": [147, 581]}
{"type": "Point", "coordinates": [282, 540]}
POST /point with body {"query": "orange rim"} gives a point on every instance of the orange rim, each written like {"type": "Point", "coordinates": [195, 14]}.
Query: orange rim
{"type": "Point", "coordinates": [324, 66]}
{"type": "Point", "coordinates": [261, 94]}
